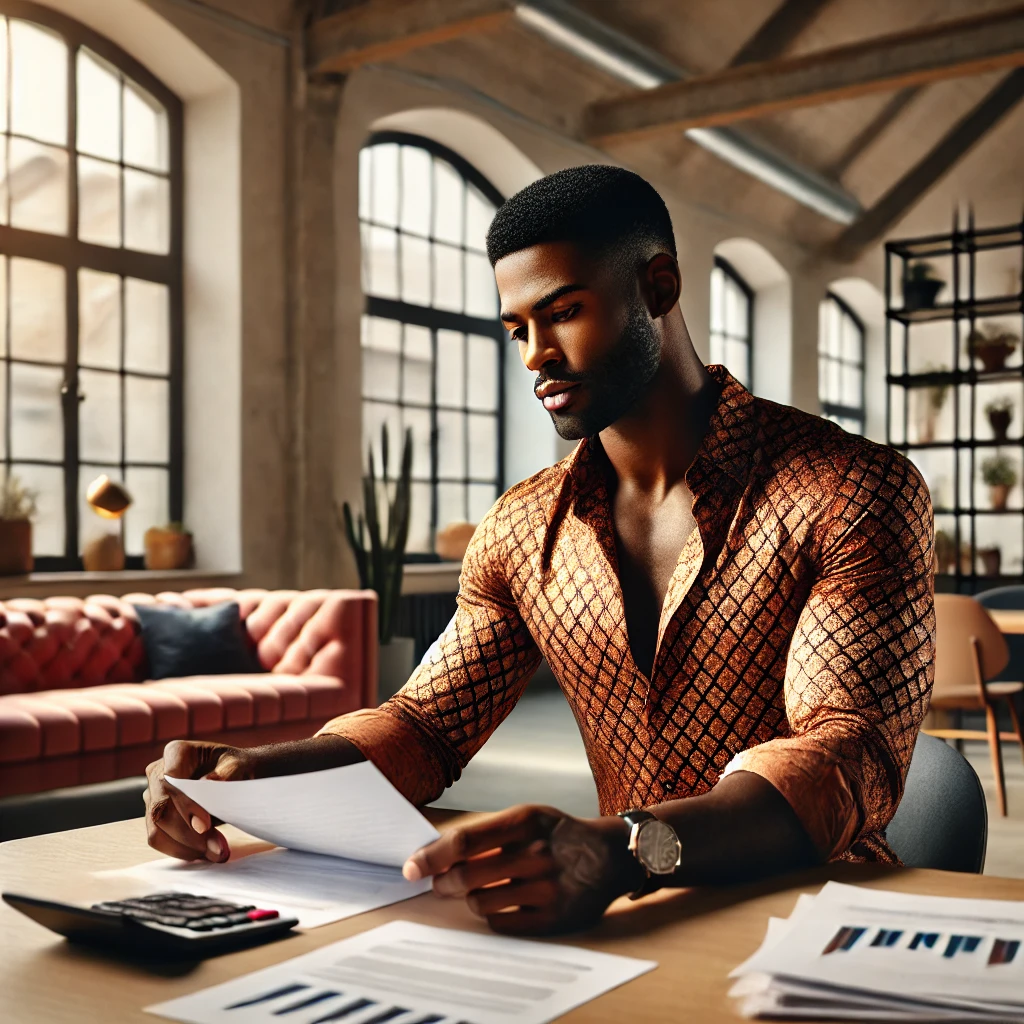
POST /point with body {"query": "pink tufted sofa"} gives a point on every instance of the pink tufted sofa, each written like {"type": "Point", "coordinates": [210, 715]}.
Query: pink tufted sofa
{"type": "Point", "coordinates": [75, 706]}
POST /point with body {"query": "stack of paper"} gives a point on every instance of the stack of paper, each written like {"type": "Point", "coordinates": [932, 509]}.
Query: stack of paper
{"type": "Point", "coordinates": [867, 954]}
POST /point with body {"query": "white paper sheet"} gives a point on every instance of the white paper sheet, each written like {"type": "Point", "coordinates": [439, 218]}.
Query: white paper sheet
{"type": "Point", "coordinates": [404, 973]}
{"type": "Point", "coordinates": [351, 812]}
{"type": "Point", "coordinates": [314, 888]}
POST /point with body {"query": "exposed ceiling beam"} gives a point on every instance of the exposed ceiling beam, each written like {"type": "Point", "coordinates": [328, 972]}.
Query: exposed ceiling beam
{"type": "Point", "coordinates": [592, 40]}
{"type": "Point", "coordinates": [967, 46]}
{"type": "Point", "coordinates": [774, 37]}
{"type": "Point", "coordinates": [377, 31]}
{"type": "Point", "coordinates": [876, 221]}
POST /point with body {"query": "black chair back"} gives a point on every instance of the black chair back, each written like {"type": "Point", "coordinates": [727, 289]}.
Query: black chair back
{"type": "Point", "coordinates": [942, 820]}
{"type": "Point", "coordinates": [1008, 598]}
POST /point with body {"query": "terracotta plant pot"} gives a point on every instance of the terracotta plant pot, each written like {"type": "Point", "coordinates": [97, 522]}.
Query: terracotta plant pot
{"type": "Point", "coordinates": [104, 554]}
{"type": "Point", "coordinates": [999, 420]}
{"type": "Point", "coordinates": [991, 559]}
{"type": "Point", "coordinates": [167, 549]}
{"type": "Point", "coordinates": [993, 357]}
{"type": "Point", "coordinates": [15, 547]}
{"type": "Point", "coordinates": [999, 494]}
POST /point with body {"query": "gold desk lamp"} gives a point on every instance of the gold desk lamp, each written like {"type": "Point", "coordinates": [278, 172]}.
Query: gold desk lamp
{"type": "Point", "coordinates": [110, 500]}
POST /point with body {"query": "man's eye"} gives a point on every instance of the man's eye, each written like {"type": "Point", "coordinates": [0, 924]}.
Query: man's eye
{"type": "Point", "coordinates": [559, 316]}
{"type": "Point", "coordinates": [519, 334]}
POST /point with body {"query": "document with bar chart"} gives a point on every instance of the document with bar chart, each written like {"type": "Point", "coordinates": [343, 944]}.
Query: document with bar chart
{"type": "Point", "coordinates": [853, 953]}
{"type": "Point", "coordinates": [405, 973]}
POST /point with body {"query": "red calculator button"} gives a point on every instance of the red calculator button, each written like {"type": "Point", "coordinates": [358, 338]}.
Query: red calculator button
{"type": "Point", "coordinates": [262, 915]}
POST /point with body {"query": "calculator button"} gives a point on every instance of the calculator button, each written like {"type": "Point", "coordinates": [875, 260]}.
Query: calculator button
{"type": "Point", "coordinates": [218, 921]}
{"type": "Point", "coordinates": [239, 918]}
{"type": "Point", "coordinates": [262, 915]}
{"type": "Point", "coordinates": [199, 926]}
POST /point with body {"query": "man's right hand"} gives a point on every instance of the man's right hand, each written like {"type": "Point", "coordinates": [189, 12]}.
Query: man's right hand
{"type": "Point", "coordinates": [177, 825]}
{"type": "Point", "coordinates": [180, 828]}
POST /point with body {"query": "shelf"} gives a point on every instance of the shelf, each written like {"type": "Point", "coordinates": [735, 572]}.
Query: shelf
{"type": "Point", "coordinates": [918, 446]}
{"type": "Point", "coordinates": [962, 309]}
{"type": "Point", "coordinates": [940, 377]}
{"type": "Point", "coordinates": [978, 240]}
{"type": "Point", "coordinates": [977, 511]}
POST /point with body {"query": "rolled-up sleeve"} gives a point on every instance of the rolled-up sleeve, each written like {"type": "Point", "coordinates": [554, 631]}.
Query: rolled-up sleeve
{"type": "Point", "coordinates": [860, 667]}
{"type": "Point", "coordinates": [465, 686]}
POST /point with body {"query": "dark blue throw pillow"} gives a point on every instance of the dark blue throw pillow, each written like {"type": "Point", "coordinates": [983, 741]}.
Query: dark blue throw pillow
{"type": "Point", "coordinates": [195, 642]}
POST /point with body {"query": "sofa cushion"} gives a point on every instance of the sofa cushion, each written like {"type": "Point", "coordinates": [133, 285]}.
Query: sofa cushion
{"type": "Point", "coordinates": [195, 641]}
{"type": "Point", "coordinates": [118, 716]}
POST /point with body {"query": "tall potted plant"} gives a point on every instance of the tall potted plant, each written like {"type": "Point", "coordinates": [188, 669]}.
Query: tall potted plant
{"type": "Point", "coordinates": [17, 510]}
{"type": "Point", "coordinates": [379, 548]}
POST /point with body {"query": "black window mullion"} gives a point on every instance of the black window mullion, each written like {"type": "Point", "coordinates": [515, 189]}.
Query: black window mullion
{"type": "Point", "coordinates": [71, 388]}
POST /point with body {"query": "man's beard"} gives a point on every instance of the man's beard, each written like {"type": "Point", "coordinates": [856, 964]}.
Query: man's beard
{"type": "Point", "coordinates": [616, 385]}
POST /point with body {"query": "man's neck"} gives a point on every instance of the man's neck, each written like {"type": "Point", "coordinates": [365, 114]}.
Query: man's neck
{"type": "Point", "coordinates": [651, 449]}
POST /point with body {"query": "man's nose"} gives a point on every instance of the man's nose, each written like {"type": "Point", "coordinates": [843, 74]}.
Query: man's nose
{"type": "Point", "coordinates": [539, 352]}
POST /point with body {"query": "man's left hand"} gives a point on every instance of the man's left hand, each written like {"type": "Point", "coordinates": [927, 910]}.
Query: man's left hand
{"type": "Point", "coordinates": [530, 869]}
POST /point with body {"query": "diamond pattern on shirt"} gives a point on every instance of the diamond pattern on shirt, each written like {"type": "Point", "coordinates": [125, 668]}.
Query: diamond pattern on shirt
{"type": "Point", "coordinates": [796, 639]}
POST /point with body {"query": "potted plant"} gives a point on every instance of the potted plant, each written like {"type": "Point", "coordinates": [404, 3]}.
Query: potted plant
{"type": "Point", "coordinates": [379, 548]}
{"type": "Point", "coordinates": [168, 547]}
{"type": "Point", "coordinates": [1000, 416]}
{"type": "Point", "coordinates": [991, 559]}
{"type": "Point", "coordinates": [921, 285]}
{"type": "Point", "coordinates": [992, 346]}
{"type": "Point", "coordinates": [17, 510]}
{"type": "Point", "coordinates": [999, 472]}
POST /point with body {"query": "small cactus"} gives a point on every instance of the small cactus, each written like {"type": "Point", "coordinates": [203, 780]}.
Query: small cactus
{"type": "Point", "coordinates": [380, 561]}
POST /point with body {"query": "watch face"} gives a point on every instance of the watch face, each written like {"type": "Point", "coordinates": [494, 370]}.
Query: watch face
{"type": "Point", "coordinates": [658, 848]}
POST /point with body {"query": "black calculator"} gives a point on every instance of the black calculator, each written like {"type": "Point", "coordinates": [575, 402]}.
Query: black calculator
{"type": "Point", "coordinates": [165, 923]}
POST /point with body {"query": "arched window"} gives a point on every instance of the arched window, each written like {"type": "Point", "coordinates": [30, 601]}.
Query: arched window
{"type": "Point", "coordinates": [732, 321]}
{"type": "Point", "coordinates": [841, 364]}
{"type": "Point", "coordinates": [432, 343]}
{"type": "Point", "coordinates": [90, 280]}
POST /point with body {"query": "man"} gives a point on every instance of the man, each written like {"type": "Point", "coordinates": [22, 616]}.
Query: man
{"type": "Point", "coordinates": [735, 596]}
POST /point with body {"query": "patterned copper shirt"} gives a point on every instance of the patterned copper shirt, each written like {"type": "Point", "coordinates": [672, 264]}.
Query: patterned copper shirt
{"type": "Point", "coordinates": [796, 638]}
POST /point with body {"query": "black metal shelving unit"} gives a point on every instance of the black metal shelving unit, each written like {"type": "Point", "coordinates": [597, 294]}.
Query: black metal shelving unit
{"type": "Point", "coordinates": [959, 251]}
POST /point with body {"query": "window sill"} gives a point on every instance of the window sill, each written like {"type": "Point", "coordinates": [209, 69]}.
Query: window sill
{"type": "Point", "coordinates": [431, 577]}
{"type": "Point", "coordinates": [78, 584]}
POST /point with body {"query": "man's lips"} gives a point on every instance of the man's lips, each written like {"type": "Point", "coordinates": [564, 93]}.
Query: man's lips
{"type": "Point", "coordinates": [556, 394]}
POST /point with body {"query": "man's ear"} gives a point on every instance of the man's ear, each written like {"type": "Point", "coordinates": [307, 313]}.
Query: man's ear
{"type": "Point", "coordinates": [662, 284]}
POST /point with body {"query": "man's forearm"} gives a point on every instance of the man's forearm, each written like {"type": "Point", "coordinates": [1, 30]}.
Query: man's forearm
{"type": "Point", "coordinates": [314, 754]}
{"type": "Point", "coordinates": [742, 830]}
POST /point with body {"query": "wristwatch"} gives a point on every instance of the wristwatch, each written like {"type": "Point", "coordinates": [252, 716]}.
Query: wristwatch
{"type": "Point", "coordinates": [656, 847]}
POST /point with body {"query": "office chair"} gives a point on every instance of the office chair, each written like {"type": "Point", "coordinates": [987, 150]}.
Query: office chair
{"type": "Point", "coordinates": [1009, 598]}
{"type": "Point", "coordinates": [942, 820]}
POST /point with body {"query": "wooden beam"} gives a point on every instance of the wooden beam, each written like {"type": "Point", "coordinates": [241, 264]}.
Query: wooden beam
{"type": "Point", "coordinates": [967, 46]}
{"type": "Point", "coordinates": [874, 223]}
{"type": "Point", "coordinates": [381, 30]}
{"type": "Point", "coordinates": [774, 37]}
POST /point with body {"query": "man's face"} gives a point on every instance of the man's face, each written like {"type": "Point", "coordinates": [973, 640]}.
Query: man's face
{"type": "Point", "coordinates": [583, 328]}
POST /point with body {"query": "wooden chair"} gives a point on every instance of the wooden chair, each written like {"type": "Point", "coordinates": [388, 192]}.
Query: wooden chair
{"type": "Point", "coordinates": [970, 649]}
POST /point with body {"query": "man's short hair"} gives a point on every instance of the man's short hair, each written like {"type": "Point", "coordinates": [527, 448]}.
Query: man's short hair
{"type": "Point", "coordinates": [607, 209]}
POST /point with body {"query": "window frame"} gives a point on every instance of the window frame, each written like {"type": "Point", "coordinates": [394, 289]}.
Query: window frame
{"type": "Point", "coordinates": [434, 319]}
{"type": "Point", "coordinates": [850, 412]}
{"type": "Point", "coordinates": [68, 252]}
{"type": "Point", "coordinates": [722, 264]}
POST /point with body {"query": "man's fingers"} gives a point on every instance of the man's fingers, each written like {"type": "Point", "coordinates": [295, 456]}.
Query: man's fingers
{"type": "Point", "coordinates": [518, 825]}
{"type": "Point", "coordinates": [525, 922]}
{"type": "Point", "coordinates": [536, 894]}
{"type": "Point", "coordinates": [534, 861]}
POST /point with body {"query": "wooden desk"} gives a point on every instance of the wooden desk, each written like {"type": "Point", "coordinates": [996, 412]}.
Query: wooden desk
{"type": "Point", "coordinates": [697, 936]}
{"type": "Point", "coordinates": [1009, 621]}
